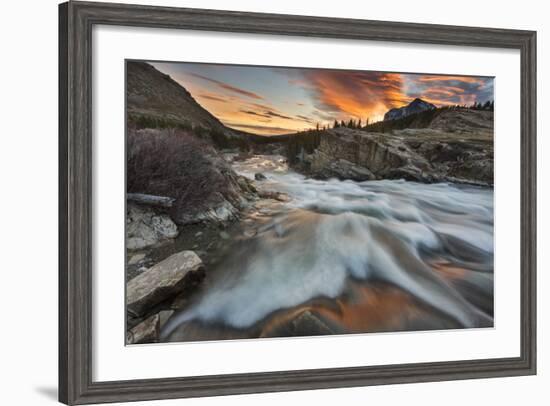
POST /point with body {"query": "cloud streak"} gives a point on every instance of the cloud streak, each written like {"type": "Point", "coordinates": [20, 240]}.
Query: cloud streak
{"type": "Point", "coordinates": [227, 86]}
{"type": "Point", "coordinates": [450, 90]}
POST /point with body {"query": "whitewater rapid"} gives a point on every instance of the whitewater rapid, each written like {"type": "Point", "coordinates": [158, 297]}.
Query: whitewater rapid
{"type": "Point", "coordinates": [434, 242]}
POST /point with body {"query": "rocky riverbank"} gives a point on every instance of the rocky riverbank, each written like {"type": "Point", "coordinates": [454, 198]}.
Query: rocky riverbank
{"type": "Point", "coordinates": [167, 261]}
{"type": "Point", "coordinates": [419, 155]}
{"type": "Point", "coordinates": [457, 146]}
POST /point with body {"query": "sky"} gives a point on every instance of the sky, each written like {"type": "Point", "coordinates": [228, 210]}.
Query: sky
{"type": "Point", "coordinates": [274, 100]}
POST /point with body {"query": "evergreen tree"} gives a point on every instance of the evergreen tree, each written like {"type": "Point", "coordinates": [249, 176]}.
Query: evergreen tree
{"type": "Point", "coordinates": [359, 124]}
{"type": "Point", "coordinates": [342, 123]}
{"type": "Point", "coordinates": [351, 124]}
{"type": "Point", "coordinates": [335, 125]}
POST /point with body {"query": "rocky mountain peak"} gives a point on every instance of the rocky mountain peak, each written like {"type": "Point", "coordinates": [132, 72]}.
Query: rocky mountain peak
{"type": "Point", "coordinates": [416, 106]}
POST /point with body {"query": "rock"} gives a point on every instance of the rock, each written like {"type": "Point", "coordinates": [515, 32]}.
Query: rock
{"type": "Point", "coordinates": [164, 316]}
{"type": "Point", "coordinates": [309, 324]}
{"type": "Point", "coordinates": [146, 228]}
{"type": "Point", "coordinates": [224, 235]}
{"type": "Point", "coordinates": [145, 332]}
{"type": "Point", "coordinates": [418, 154]}
{"type": "Point", "coordinates": [223, 213]}
{"type": "Point", "coordinates": [163, 281]}
{"type": "Point", "coordinates": [305, 323]}
{"type": "Point", "coordinates": [339, 168]}
{"type": "Point", "coordinates": [135, 259]}
{"type": "Point", "coordinates": [259, 176]}
{"type": "Point", "coordinates": [179, 302]}
{"type": "Point", "coordinates": [271, 194]}
{"type": "Point", "coordinates": [246, 184]}
{"type": "Point", "coordinates": [249, 233]}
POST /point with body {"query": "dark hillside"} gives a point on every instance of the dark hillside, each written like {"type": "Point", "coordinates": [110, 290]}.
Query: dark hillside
{"type": "Point", "coordinates": [155, 100]}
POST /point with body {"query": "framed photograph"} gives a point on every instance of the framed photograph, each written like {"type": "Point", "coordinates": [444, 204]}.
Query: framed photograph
{"type": "Point", "coordinates": [258, 202]}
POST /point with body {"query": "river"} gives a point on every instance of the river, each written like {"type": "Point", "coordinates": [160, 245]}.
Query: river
{"type": "Point", "coordinates": [347, 257]}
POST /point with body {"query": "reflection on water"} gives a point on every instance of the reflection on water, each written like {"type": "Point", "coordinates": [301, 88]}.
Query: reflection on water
{"type": "Point", "coordinates": [344, 256]}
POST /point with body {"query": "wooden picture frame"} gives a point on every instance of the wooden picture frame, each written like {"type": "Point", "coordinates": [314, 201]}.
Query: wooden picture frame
{"type": "Point", "coordinates": [76, 20]}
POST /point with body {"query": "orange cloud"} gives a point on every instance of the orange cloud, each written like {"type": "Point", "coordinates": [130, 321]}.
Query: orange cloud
{"type": "Point", "coordinates": [345, 94]}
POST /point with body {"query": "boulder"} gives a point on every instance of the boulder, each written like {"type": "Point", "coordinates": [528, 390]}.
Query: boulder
{"type": "Point", "coordinates": [164, 316]}
{"type": "Point", "coordinates": [272, 194]}
{"type": "Point", "coordinates": [146, 228]}
{"type": "Point", "coordinates": [145, 332]}
{"type": "Point", "coordinates": [259, 176]}
{"type": "Point", "coordinates": [223, 213]}
{"type": "Point", "coordinates": [136, 259]}
{"type": "Point", "coordinates": [304, 323]}
{"type": "Point", "coordinates": [163, 281]}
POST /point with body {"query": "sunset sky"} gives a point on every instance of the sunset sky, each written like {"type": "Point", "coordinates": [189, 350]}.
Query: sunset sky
{"type": "Point", "coordinates": [272, 100]}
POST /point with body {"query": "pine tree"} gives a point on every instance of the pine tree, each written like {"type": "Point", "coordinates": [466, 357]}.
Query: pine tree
{"type": "Point", "coordinates": [342, 123]}
{"type": "Point", "coordinates": [359, 124]}
{"type": "Point", "coordinates": [335, 125]}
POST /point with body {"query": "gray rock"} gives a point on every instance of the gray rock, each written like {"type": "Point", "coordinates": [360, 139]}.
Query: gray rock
{"type": "Point", "coordinates": [259, 176]}
{"type": "Point", "coordinates": [309, 324]}
{"type": "Point", "coordinates": [146, 228]}
{"type": "Point", "coordinates": [305, 323]}
{"type": "Point", "coordinates": [272, 194]}
{"type": "Point", "coordinates": [222, 213]}
{"type": "Point", "coordinates": [422, 155]}
{"type": "Point", "coordinates": [145, 332]}
{"type": "Point", "coordinates": [164, 316]}
{"type": "Point", "coordinates": [163, 281]}
{"type": "Point", "coordinates": [136, 258]}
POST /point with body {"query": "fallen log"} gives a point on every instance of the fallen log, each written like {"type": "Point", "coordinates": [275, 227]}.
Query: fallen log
{"type": "Point", "coordinates": [150, 200]}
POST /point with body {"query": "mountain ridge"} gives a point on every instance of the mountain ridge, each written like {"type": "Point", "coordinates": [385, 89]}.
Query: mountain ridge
{"type": "Point", "coordinates": [416, 106]}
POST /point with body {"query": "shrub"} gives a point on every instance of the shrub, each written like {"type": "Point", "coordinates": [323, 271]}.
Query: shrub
{"type": "Point", "coordinates": [175, 164]}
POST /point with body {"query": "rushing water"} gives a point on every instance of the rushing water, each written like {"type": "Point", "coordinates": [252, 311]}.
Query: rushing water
{"type": "Point", "coordinates": [385, 255]}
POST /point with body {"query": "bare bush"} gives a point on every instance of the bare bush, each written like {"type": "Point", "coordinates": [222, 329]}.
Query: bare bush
{"type": "Point", "coordinates": [173, 163]}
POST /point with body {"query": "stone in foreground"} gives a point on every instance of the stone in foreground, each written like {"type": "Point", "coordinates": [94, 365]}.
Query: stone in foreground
{"type": "Point", "coordinates": [163, 281]}
{"type": "Point", "coordinates": [145, 332]}
{"type": "Point", "coordinates": [146, 228]}
{"type": "Point", "coordinates": [305, 323]}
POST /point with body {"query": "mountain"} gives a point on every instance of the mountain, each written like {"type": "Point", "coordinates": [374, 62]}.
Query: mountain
{"type": "Point", "coordinates": [416, 106]}
{"type": "Point", "coordinates": [155, 100]}
{"type": "Point", "coordinates": [154, 95]}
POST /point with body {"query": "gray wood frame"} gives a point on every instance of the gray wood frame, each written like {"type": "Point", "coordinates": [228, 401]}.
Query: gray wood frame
{"type": "Point", "coordinates": [76, 20]}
